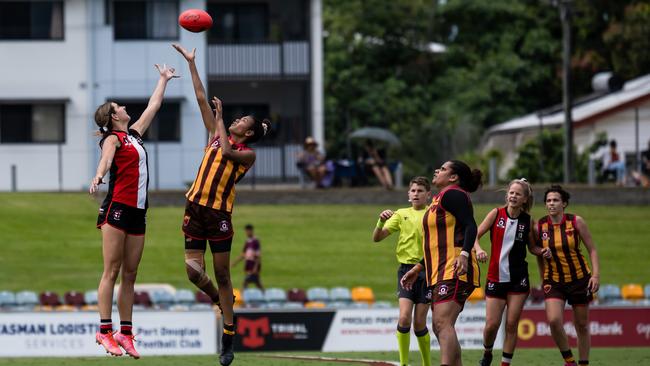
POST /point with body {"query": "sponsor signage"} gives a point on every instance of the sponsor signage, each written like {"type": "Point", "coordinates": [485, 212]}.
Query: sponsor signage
{"type": "Point", "coordinates": [374, 330]}
{"type": "Point", "coordinates": [282, 331]}
{"type": "Point", "coordinates": [73, 333]}
{"type": "Point", "coordinates": [609, 327]}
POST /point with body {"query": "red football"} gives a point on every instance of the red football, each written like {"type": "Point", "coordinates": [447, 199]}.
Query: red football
{"type": "Point", "coordinates": [195, 20]}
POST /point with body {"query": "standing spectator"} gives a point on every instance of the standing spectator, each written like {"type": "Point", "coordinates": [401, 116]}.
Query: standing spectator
{"type": "Point", "coordinates": [613, 161]}
{"type": "Point", "coordinates": [252, 253]}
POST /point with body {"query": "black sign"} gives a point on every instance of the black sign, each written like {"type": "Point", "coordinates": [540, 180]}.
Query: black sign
{"type": "Point", "coordinates": [280, 331]}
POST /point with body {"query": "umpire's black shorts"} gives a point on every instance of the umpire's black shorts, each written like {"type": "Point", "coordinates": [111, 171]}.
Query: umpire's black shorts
{"type": "Point", "coordinates": [420, 293]}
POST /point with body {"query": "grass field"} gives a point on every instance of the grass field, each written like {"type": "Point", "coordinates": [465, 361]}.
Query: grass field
{"type": "Point", "coordinates": [528, 357]}
{"type": "Point", "coordinates": [49, 243]}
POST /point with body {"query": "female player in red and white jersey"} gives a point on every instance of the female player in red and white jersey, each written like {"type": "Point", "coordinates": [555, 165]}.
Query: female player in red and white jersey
{"type": "Point", "coordinates": [507, 279]}
{"type": "Point", "coordinates": [122, 215]}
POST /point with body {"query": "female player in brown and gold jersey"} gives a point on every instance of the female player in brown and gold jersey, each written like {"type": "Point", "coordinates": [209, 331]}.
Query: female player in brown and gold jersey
{"type": "Point", "coordinates": [452, 269]}
{"type": "Point", "coordinates": [210, 201]}
{"type": "Point", "coordinates": [566, 275]}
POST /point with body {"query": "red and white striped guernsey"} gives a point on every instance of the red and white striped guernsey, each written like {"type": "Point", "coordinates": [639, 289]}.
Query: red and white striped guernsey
{"type": "Point", "coordinates": [509, 238]}
{"type": "Point", "coordinates": [129, 178]}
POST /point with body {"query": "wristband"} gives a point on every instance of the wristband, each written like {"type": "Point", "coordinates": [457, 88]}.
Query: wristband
{"type": "Point", "coordinates": [380, 224]}
{"type": "Point", "coordinates": [464, 254]}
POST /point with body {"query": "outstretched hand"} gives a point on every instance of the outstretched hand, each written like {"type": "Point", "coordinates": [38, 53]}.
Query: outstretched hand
{"type": "Point", "coordinates": [166, 72]}
{"type": "Point", "coordinates": [218, 109]}
{"type": "Point", "coordinates": [189, 56]}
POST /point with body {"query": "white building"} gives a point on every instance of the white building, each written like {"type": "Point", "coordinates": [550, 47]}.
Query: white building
{"type": "Point", "coordinates": [624, 115]}
{"type": "Point", "coordinates": [61, 59]}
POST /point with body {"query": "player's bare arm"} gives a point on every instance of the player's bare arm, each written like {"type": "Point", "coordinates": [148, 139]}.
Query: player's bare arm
{"type": "Point", "coordinates": [246, 157]}
{"type": "Point", "coordinates": [199, 90]}
{"type": "Point", "coordinates": [594, 281]}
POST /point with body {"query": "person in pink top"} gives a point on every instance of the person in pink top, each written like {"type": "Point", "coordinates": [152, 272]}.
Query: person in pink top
{"type": "Point", "coordinates": [122, 215]}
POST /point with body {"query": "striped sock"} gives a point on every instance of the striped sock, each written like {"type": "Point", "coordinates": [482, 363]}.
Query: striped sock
{"type": "Point", "coordinates": [568, 357]}
{"type": "Point", "coordinates": [105, 326]}
{"type": "Point", "coordinates": [126, 327]}
{"type": "Point", "coordinates": [506, 359]}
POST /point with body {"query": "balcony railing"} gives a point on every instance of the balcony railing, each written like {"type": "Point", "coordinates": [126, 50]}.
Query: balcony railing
{"type": "Point", "coordinates": [266, 60]}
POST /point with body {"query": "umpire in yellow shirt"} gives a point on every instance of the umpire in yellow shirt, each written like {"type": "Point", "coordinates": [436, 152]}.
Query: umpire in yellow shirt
{"type": "Point", "coordinates": [408, 221]}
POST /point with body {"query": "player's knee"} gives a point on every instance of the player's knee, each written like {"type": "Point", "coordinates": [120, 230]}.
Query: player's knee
{"type": "Point", "coordinates": [555, 322]}
{"type": "Point", "coordinates": [129, 275]}
{"type": "Point", "coordinates": [511, 328]}
{"type": "Point", "coordinates": [491, 326]}
{"type": "Point", "coordinates": [404, 321]}
{"type": "Point", "coordinates": [582, 326]}
{"type": "Point", "coordinates": [223, 275]}
{"type": "Point", "coordinates": [195, 273]}
{"type": "Point", "coordinates": [111, 272]}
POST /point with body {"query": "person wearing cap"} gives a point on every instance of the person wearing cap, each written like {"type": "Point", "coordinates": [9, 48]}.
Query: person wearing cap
{"type": "Point", "coordinates": [312, 162]}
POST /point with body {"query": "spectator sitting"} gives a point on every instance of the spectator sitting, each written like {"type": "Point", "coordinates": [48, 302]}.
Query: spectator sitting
{"type": "Point", "coordinates": [376, 160]}
{"type": "Point", "coordinates": [313, 163]}
{"type": "Point", "coordinates": [614, 162]}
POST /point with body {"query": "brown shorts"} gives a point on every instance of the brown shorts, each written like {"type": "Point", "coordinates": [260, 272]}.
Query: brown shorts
{"type": "Point", "coordinates": [575, 292]}
{"type": "Point", "coordinates": [205, 223]}
{"type": "Point", "coordinates": [449, 290]}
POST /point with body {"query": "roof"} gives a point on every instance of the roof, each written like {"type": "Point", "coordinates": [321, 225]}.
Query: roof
{"type": "Point", "coordinates": [634, 92]}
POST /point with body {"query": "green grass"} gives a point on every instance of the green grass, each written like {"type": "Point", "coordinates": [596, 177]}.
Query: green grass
{"type": "Point", "coordinates": [528, 357]}
{"type": "Point", "coordinates": [49, 242]}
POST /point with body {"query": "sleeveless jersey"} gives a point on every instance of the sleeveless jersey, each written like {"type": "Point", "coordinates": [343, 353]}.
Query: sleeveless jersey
{"type": "Point", "coordinates": [443, 242]}
{"type": "Point", "coordinates": [567, 263]}
{"type": "Point", "coordinates": [129, 177]}
{"type": "Point", "coordinates": [509, 239]}
{"type": "Point", "coordinates": [214, 185]}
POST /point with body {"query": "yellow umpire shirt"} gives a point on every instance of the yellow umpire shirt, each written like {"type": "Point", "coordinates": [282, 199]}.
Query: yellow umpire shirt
{"type": "Point", "coordinates": [408, 221]}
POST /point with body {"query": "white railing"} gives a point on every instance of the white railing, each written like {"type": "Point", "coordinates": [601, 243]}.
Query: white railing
{"type": "Point", "coordinates": [265, 60]}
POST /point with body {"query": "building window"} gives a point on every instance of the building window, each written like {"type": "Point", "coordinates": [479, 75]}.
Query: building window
{"type": "Point", "coordinates": [165, 127]}
{"type": "Point", "coordinates": [239, 23]}
{"type": "Point", "coordinates": [32, 123]}
{"type": "Point", "coordinates": [156, 19]}
{"type": "Point", "coordinates": [31, 20]}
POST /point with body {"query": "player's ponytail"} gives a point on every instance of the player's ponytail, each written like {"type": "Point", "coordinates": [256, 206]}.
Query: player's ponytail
{"type": "Point", "coordinates": [468, 179]}
{"type": "Point", "coordinates": [103, 119]}
{"type": "Point", "coordinates": [260, 129]}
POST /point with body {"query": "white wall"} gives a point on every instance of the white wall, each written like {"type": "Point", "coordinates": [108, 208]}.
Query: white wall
{"type": "Point", "coordinates": [87, 68]}
{"type": "Point", "coordinates": [619, 126]}
{"type": "Point", "coordinates": [42, 70]}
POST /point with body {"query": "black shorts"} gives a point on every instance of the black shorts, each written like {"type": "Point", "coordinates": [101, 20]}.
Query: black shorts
{"type": "Point", "coordinates": [501, 290]}
{"type": "Point", "coordinates": [252, 278]}
{"type": "Point", "coordinates": [205, 223]}
{"type": "Point", "coordinates": [420, 293]}
{"type": "Point", "coordinates": [201, 224]}
{"type": "Point", "coordinates": [129, 219]}
{"type": "Point", "coordinates": [448, 290]}
{"type": "Point", "coordinates": [574, 292]}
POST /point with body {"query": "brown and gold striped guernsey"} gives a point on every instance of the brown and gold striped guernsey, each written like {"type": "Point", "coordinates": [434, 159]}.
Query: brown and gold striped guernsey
{"type": "Point", "coordinates": [567, 263]}
{"type": "Point", "coordinates": [214, 185]}
{"type": "Point", "coordinates": [443, 242]}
